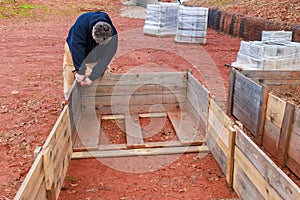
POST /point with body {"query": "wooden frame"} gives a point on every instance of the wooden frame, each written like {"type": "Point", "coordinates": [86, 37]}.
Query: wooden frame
{"type": "Point", "coordinates": [44, 179]}
{"type": "Point", "coordinates": [247, 168]}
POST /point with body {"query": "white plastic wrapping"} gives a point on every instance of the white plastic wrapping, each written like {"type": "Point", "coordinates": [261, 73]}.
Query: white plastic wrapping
{"type": "Point", "coordinates": [192, 25]}
{"type": "Point", "coordinates": [270, 36]}
{"type": "Point", "coordinates": [273, 55]}
{"type": "Point", "coordinates": [161, 19]}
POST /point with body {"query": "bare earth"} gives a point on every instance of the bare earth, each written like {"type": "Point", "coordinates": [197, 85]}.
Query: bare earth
{"type": "Point", "coordinates": [32, 91]}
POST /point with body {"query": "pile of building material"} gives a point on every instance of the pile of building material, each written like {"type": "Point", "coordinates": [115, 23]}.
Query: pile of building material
{"type": "Point", "coordinates": [161, 19]}
{"type": "Point", "coordinates": [192, 25]}
{"type": "Point", "coordinates": [187, 24]}
{"type": "Point", "coordinates": [275, 51]}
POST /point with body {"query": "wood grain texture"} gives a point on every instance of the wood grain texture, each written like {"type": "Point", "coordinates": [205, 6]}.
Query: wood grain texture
{"type": "Point", "coordinates": [267, 169]}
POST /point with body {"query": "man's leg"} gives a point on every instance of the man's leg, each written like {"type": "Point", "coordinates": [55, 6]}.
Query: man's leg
{"type": "Point", "coordinates": [68, 66]}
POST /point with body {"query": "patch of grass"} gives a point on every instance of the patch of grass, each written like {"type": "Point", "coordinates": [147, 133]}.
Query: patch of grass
{"type": "Point", "coordinates": [71, 179]}
{"type": "Point", "coordinates": [9, 8]}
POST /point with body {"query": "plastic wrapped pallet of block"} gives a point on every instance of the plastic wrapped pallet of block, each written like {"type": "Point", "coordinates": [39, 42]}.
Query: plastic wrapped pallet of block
{"type": "Point", "coordinates": [192, 25]}
{"type": "Point", "coordinates": [272, 55]}
{"type": "Point", "coordinates": [270, 36]}
{"type": "Point", "coordinates": [161, 19]}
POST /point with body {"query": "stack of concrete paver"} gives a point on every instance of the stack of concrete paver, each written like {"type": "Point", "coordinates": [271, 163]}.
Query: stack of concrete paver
{"type": "Point", "coordinates": [192, 25]}
{"type": "Point", "coordinates": [161, 19]}
{"type": "Point", "coordinates": [275, 51]}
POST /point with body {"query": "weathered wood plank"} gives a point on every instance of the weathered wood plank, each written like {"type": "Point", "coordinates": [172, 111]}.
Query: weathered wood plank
{"type": "Point", "coordinates": [285, 134]}
{"type": "Point", "coordinates": [141, 152]}
{"type": "Point", "coordinates": [271, 137]}
{"type": "Point", "coordinates": [33, 180]}
{"type": "Point", "coordinates": [293, 149]}
{"type": "Point", "coordinates": [134, 135]}
{"type": "Point", "coordinates": [143, 78]}
{"type": "Point", "coordinates": [118, 109]}
{"type": "Point", "coordinates": [217, 152]}
{"type": "Point", "coordinates": [143, 99]}
{"type": "Point", "coordinates": [107, 90]}
{"type": "Point", "coordinates": [230, 157]}
{"type": "Point", "coordinates": [275, 110]}
{"type": "Point", "coordinates": [296, 123]}
{"type": "Point", "coordinates": [230, 91]}
{"type": "Point", "coordinates": [243, 186]}
{"type": "Point", "coordinates": [293, 165]}
{"type": "Point", "coordinates": [89, 131]}
{"type": "Point", "coordinates": [272, 74]}
{"type": "Point", "coordinates": [186, 131]}
{"type": "Point", "coordinates": [268, 170]}
{"type": "Point", "coordinates": [198, 97]}
{"type": "Point", "coordinates": [246, 102]}
{"type": "Point", "coordinates": [255, 178]}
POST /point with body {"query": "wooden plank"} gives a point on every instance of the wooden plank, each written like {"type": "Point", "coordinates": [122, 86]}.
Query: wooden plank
{"type": "Point", "coordinates": [217, 139]}
{"type": "Point", "coordinates": [271, 138]}
{"type": "Point", "coordinates": [160, 114]}
{"type": "Point", "coordinates": [198, 97]}
{"type": "Point", "coordinates": [293, 149]}
{"type": "Point", "coordinates": [112, 117]}
{"type": "Point", "coordinates": [262, 115]}
{"type": "Point", "coordinates": [118, 109]}
{"type": "Point", "coordinates": [89, 131]}
{"type": "Point", "coordinates": [143, 99]}
{"type": "Point", "coordinates": [243, 186]}
{"type": "Point", "coordinates": [275, 110]}
{"type": "Point", "coordinates": [186, 131]}
{"type": "Point", "coordinates": [144, 78]}
{"type": "Point", "coordinates": [247, 103]}
{"type": "Point", "coordinates": [293, 165]}
{"type": "Point", "coordinates": [217, 152]}
{"type": "Point", "coordinates": [296, 123]}
{"type": "Point", "coordinates": [277, 179]}
{"type": "Point", "coordinates": [255, 177]}
{"type": "Point", "coordinates": [230, 157]}
{"type": "Point", "coordinates": [33, 180]}
{"type": "Point", "coordinates": [272, 74]}
{"type": "Point", "coordinates": [202, 123]}
{"type": "Point", "coordinates": [134, 136]}
{"type": "Point", "coordinates": [141, 152]}
{"type": "Point", "coordinates": [230, 91]}
{"type": "Point", "coordinates": [285, 134]}
{"type": "Point", "coordinates": [219, 122]}
{"type": "Point", "coordinates": [121, 90]}
{"type": "Point", "coordinates": [41, 194]}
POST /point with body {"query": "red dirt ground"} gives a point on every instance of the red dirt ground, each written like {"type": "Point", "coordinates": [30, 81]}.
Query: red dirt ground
{"type": "Point", "coordinates": [32, 91]}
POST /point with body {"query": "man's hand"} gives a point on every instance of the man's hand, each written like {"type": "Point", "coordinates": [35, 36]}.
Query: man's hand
{"type": "Point", "coordinates": [79, 77]}
{"type": "Point", "coordinates": [86, 82]}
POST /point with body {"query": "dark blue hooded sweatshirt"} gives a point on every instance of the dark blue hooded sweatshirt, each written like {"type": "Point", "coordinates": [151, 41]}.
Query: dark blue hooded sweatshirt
{"type": "Point", "coordinates": [83, 47]}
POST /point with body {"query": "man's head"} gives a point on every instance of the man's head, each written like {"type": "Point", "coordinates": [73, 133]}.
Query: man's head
{"type": "Point", "coordinates": [102, 33]}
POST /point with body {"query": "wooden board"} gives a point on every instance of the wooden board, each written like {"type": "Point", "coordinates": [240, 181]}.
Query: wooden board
{"type": "Point", "coordinates": [266, 168]}
{"type": "Point", "coordinates": [33, 180]}
{"type": "Point", "coordinates": [141, 152]}
{"type": "Point", "coordinates": [44, 180]}
{"type": "Point", "coordinates": [246, 102]}
{"type": "Point", "coordinates": [275, 110]}
{"type": "Point", "coordinates": [220, 139]}
{"type": "Point", "coordinates": [271, 137]}
{"type": "Point", "coordinates": [89, 131]}
{"type": "Point", "coordinates": [249, 104]}
{"type": "Point", "coordinates": [134, 136]}
{"type": "Point", "coordinates": [247, 175]}
{"type": "Point", "coordinates": [186, 131]}
{"type": "Point", "coordinates": [198, 100]}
